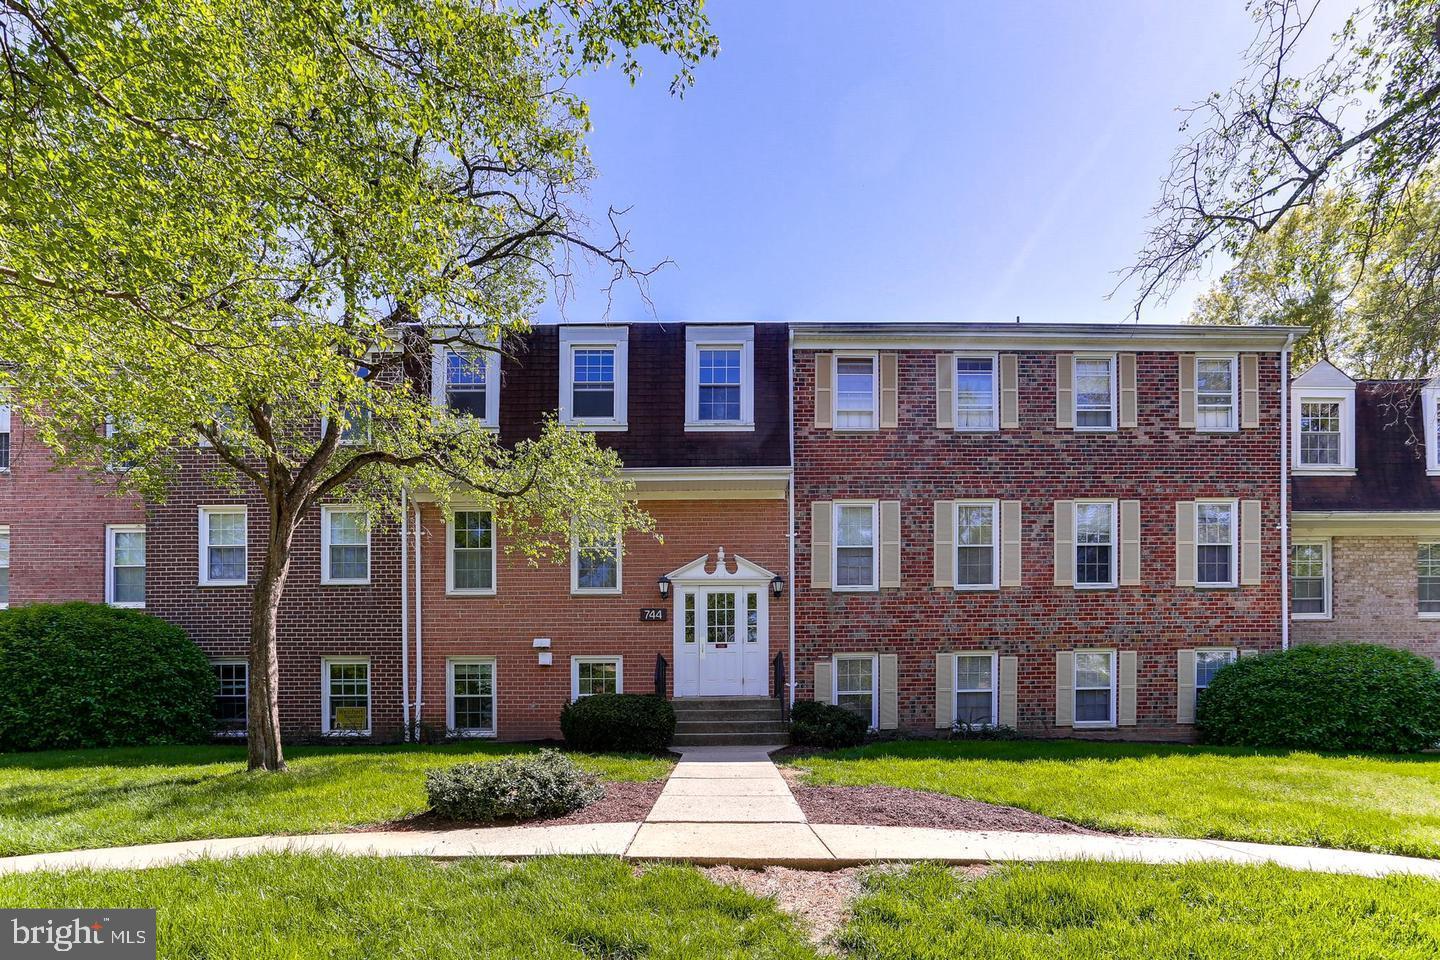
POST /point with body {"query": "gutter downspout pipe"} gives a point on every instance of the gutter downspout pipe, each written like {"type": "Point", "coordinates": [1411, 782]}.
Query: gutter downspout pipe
{"type": "Point", "coordinates": [790, 497]}
{"type": "Point", "coordinates": [1285, 493]}
{"type": "Point", "coordinates": [408, 730]}
{"type": "Point", "coordinates": [419, 636]}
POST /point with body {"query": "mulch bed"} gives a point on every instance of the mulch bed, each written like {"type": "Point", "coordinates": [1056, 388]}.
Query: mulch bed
{"type": "Point", "coordinates": [622, 803]}
{"type": "Point", "coordinates": [898, 807]}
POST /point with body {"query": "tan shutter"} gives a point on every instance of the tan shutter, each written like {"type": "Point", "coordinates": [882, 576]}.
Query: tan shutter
{"type": "Point", "coordinates": [889, 543]}
{"type": "Point", "coordinates": [1009, 391]}
{"type": "Point", "coordinates": [1249, 542]}
{"type": "Point", "coordinates": [1064, 543]}
{"type": "Point", "coordinates": [1064, 391]}
{"type": "Point", "coordinates": [1125, 714]}
{"type": "Point", "coordinates": [1185, 543]}
{"type": "Point", "coordinates": [824, 391]}
{"type": "Point", "coordinates": [889, 391]}
{"type": "Point", "coordinates": [1187, 390]}
{"type": "Point", "coordinates": [1064, 689]}
{"type": "Point", "coordinates": [1129, 401]}
{"type": "Point", "coordinates": [889, 691]}
{"type": "Point", "coordinates": [1184, 686]}
{"type": "Point", "coordinates": [824, 681]}
{"type": "Point", "coordinates": [944, 691]}
{"type": "Point", "coordinates": [1129, 543]}
{"type": "Point", "coordinates": [820, 534]}
{"type": "Point", "coordinates": [944, 543]}
{"type": "Point", "coordinates": [1009, 692]}
{"type": "Point", "coordinates": [1011, 527]}
{"type": "Point", "coordinates": [945, 391]}
{"type": "Point", "coordinates": [1249, 390]}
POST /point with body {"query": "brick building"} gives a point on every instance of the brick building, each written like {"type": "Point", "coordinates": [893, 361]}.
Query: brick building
{"type": "Point", "coordinates": [1365, 494]}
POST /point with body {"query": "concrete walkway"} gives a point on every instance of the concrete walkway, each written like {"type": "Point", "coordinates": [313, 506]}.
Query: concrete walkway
{"type": "Point", "coordinates": [731, 806]}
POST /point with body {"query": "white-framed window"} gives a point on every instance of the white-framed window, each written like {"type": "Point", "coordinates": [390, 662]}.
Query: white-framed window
{"type": "Point", "coordinates": [470, 696]}
{"type": "Point", "coordinates": [1322, 418]}
{"type": "Point", "coordinates": [592, 675]}
{"type": "Point", "coordinates": [857, 680]}
{"type": "Point", "coordinates": [232, 697]}
{"type": "Point", "coordinates": [1094, 688]}
{"type": "Point", "coordinates": [977, 695]}
{"type": "Point", "coordinates": [977, 393]}
{"type": "Point", "coordinates": [345, 696]}
{"type": "Point", "coordinates": [4, 434]}
{"type": "Point", "coordinates": [1430, 417]}
{"type": "Point", "coordinates": [1427, 559]}
{"type": "Point", "coordinates": [1215, 548]}
{"type": "Point", "coordinates": [720, 378]}
{"type": "Point", "coordinates": [1094, 392]}
{"type": "Point", "coordinates": [857, 391]}
{"type": "Point", "coordinates": [1208, 662]}
{"type": "Point", "coordinates": [1310, 579]}
{"type": "Point", "coordinates": [470, 553]}
{"type": "Point", "coordinates": [595, 564]}
{"type": "Point", "coordinates": [344, 545]}
{"type": "Point", "coordinates": [1321, 433]}
{"type": "Point", "coordinates": [1215, 393]}
{"type": "Point", "coordinates": [224, 539]}
{"type": "Point", "coordinates": [856, 558]}
{"type": "Point", "coordinates": [125, 565]}
{"type": "Point", "coordinates": [1095, 536]}
{"type": "Point", "coordinates": [977, 550]}
{"type": "Point", "coordinates": [594, 377]}
{"type": "Point", "coordinates": [467, 380]}
{"type": "Point", "coordinates": [4, 567]}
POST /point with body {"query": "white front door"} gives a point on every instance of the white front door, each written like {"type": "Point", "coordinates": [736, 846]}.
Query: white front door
{"type": "Point", "coordinates": [721, 641]}
{"type": "Point", "coordinates": [722, 651]}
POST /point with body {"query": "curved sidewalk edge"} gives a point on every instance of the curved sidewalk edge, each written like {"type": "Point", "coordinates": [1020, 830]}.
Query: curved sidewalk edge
{"type": "Point", "coordinates": [799, 845]}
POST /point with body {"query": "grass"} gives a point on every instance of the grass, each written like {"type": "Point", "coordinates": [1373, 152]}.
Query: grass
{"type": "Point", "coordinates": [1388, 804]}
{"type": "Point", "coordinates": [297, 906]}
{"type": "Point", "coordinates": [1114, 911]}
{"type": "Point", "coordinates": [66, 800]}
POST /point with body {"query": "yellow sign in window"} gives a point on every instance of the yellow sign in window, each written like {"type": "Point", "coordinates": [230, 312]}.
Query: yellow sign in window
{"type": "Point", "coordinates": [349, 718]}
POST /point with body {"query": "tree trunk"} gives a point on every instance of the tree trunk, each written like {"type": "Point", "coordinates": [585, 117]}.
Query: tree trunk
{"type": "Point", "coordinates": [265, 752]}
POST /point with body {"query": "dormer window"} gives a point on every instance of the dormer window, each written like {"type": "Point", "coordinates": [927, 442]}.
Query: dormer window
{"type": "Point", "coordinates": [1430, 414]}
{"type": "Point", "coordinates": [1323, 421]}
{"type": "Point", "coordinates": [594, 368]}
{"type": "Point", "coordinates": [719, 378]}
{"type": "Point", "coordinates": [467, 380]}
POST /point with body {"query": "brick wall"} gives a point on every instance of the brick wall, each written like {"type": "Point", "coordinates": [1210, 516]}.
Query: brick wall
{"type": "Point", "coordinates": [1374, 598]}
{"type": "Point", "coordinates": [1157, 463]}
{"type": "Point", "coordinates": [315, 620]}
{"type": "Point", "coordinates": [533, 602]}
{"type": "Point", "coordinates": [57, 520]}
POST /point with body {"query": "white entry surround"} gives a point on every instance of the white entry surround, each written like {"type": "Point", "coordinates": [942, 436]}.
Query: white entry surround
{"type": "Point", "coordinates": [722, 627]}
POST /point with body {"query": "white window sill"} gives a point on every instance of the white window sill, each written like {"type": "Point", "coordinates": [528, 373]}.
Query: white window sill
{"type": "Point", "coordinates": [326, 582]}
{"type": "Point", "coordinates": [224, 583]}
{"type": "Point", "coordinates": [1429, 616]}
{"type": "Point", "coordinates": [977, 430]}
{"type": "Point", "coordinates": [474, 734]}
{"type": "Point", "coordinates": [125, 606]}
{"type": "Point", "coordinates": [1217, 429]}
{"type": "Point", "coordinates": [718, 426]}
{"type": "Point", "coordinates": [1217, 586]}
{"type": "Point", "coordinates": [1314, 471]}
{"type": "Point", "coordinates": [976, 587]}
{"type": "Point", "coordinates": [864, 589]}
{"type": "Point", "coordinates": [1096, 586]}
{"type": "Point", "coordinates": [1094, 429]}
{"type": "Point", "coordinates": [1094, 725]}
{"type": "Point", "coordinates": [854, 430]}
{"type": "Point", "coordinates": [596, 426]}
{"type": "Point", "coordinates": [607, 592]}
{"type": "Point", "coordinates": [1318, 617]}
{"type": "Point", "coordinates": [470, 593]}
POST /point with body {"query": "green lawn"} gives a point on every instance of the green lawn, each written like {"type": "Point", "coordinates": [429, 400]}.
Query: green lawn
{"type": "Point", "coordinates": [1388, 804]}
{"type": "Point", "coordinates": [65, 800]}
{"type": "Point", "coordinates": [1089, 911]}
{"type": "Point", "coordinates": [296, 906]}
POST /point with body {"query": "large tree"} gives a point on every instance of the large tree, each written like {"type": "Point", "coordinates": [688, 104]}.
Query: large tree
{"type": "Point", "coordinates": [247, 225]}
{"type": "Point", "coordinates": [1361, 119]}
{"type": "Point", "coordinates": [1370, 296]}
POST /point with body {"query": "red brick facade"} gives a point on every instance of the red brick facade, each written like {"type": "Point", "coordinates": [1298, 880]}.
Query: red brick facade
{"type": "Point", "coordinates": [917, 463]}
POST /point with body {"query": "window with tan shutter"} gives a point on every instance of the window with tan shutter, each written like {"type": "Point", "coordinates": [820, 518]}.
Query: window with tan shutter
{"type": "Point", "coordinates": [1215, 543]}
{"type": "Point", "coordinates": [1094, 688]}
{"type": "Point", "coordinates": [856, 561]}
{"type": "Point", "coordinates": [976, 396]}
{"type": "Point", "coordinates": [976, 545]}
{"type": "Point", "coordinates": [975, 690]}
{"type": "Point", "coordinates": [857, 392]}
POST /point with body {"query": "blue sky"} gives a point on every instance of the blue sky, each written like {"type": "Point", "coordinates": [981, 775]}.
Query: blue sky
{"type": "Point", "coordinates": [906, 161]}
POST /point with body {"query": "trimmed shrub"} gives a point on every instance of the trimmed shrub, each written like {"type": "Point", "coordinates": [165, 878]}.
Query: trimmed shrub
{"type": "Point", "coordinates": [1344, 697]}
{"type": "Point", "coordinates": [545, 784]}
{"type": "Point", "coordinates": [623, 722]}
{"type": "Point", "coordinates": [816, 724]}
{"type": "Point", "coordinates": [87, 675]}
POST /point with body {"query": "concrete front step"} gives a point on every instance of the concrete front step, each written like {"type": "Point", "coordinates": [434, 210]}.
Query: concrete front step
{"type": "Point", "coordinates": [733, 726]}
{"type": "Point", "coordinates": [723, 716]}
{"type": "Point", "coordinates": [728, 739]}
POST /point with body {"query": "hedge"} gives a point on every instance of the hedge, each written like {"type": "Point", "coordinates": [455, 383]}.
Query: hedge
{"type": "Point", "coordinates": [816, 724]}
{"type": "Point", "coordinates": [624, 722]}
{"type": "Point", "coordinates": [546, 784]}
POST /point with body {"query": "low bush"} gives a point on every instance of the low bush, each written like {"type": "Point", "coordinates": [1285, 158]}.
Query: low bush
{"type": "Point", "coordinates": [816, 724]}
{"type": "Point", "coordinates": [544, 784]}
{"type": "Point", "coordinates": [1343, 697]}
{"type": "Point", "coordinates": [88, 675]}
{"type": "Point", "coordinates": [984, 731]}
{"type": "Point", "coordinates": [624, 722]}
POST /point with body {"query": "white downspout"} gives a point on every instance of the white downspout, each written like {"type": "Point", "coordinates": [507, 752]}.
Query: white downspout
{"type": "Point", "coordinates": [419, 633]}
{"type": "Point", "coordinates": [1285, 494]}
{"type": "Point", "coordinates": [790, 504]}
{"type": "Point", "coordinates": [405, 616]}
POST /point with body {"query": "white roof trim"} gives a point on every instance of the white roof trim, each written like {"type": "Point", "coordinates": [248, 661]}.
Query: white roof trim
{"type": "Point", "coordinates": [1323, 375]}
{"type": "Point", "coordinates": [699, 571]}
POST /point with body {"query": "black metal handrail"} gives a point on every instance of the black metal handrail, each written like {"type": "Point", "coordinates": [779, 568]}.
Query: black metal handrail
{"type": "Point", "coordinates": [778, 674]}
{"type": "Point", "coordinates": [662, 672]}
